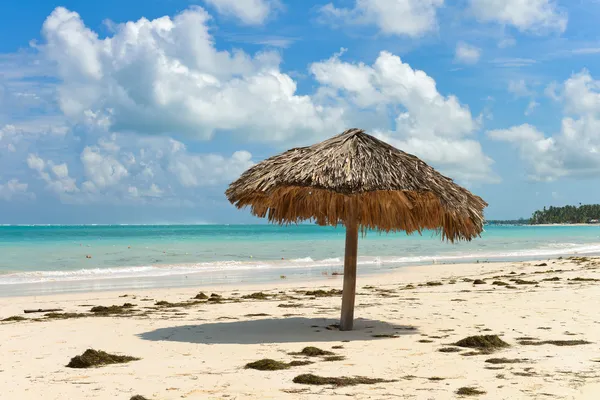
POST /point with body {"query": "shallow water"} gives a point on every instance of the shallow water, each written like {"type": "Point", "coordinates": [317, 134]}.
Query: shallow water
{"type": "Point", "coordinates": [52, 257]}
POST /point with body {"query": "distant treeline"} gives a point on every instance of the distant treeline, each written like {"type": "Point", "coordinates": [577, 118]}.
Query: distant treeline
{"type": "Point", "coordinates": [520, 221]}
{"type": "Point", "coordinates": [582, 214]}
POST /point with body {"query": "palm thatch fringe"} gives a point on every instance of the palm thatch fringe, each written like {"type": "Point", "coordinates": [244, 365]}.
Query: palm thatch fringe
{"type": "Point", "coordinates": [390, 189]}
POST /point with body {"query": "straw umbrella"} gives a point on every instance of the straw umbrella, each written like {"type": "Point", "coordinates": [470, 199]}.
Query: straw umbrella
{"type": "Point", "coordinates": [363, 183]}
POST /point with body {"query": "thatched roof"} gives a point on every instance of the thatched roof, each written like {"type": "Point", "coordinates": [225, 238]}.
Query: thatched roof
{"type": "Point", "coordinates": [391, 190]}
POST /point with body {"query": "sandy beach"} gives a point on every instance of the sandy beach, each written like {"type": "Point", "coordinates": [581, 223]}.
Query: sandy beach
{"type": "Point", "coordinates": [546, 311]}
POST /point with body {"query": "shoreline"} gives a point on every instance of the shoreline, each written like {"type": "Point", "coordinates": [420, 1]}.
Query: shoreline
{"type": "Point", "coordinates": [197, 349]}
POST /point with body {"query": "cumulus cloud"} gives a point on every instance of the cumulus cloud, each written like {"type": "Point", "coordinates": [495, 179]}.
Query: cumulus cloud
{"type": "Point", "coordinates": [575, 150]}
{"type": "Point", "coordinates": [412, 18]}
{"type": "Point", "coordinates": [249, 12]}
{"type": "Point", "coordinates": [466, 53]}
{"type": "Point", "coordinates": [126, 168]}
{"type": "Point", "coordinates": [435, 127]}
{"type": "Point", "coordinates": [13, 189]}
{"type": "Point", "coordinates": [535, 16]}
{"type": "Point", "coordinates": [166, 76]}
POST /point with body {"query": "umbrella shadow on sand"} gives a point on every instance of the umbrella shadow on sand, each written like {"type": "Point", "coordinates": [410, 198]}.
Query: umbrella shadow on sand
{"type": "Point", "coordinates": [287, 330]}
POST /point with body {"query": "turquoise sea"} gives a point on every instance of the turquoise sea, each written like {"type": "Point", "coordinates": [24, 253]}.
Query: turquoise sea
{"type": "Point", "coordinates": [49, 259]}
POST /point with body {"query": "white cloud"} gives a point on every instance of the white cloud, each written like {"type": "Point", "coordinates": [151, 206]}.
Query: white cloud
{"type": "Point", "coordinates": [412, 18]}
{"type": "Point", "coordinates": [61, 183]}
{"type": "Point", "coordinates": [166, 76]}
{"type": "Point", "coordinates": [101, 170]}
{"type": "Point", "coordinates": [13, 188]}
{"type": "Point", "coordinates": [519, 88]}
{"type": "Point", "coordinates": [250, 12]}
{"type": "Point", "coordinates": [466, 53]}
{"type": "Point", "coordinates": [435, 127]}
{"type": "Point", "coordinates": [536, 16]}
{"type": "Point", "coordinates": [575, 150]}
{"type": "Point", "coordinates": [531, 106]}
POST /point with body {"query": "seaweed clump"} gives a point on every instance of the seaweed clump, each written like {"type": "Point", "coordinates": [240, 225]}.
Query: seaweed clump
{"type": "Point", "coordinates": [323, 293]}
{"type": "Point", "coordinates": [138, 397]}
{"type": "Point", "coordinates": [310, 379]}
{"type": "Point", "coordinates": [469, 391]}
{"type": "Point", "coordinates": [96, 358]}
{"type": "Point", "coordinates": [554, 342]}
{"type": "Point", "coordinates": [55, 315]}
{"type": "Point", "coordinates": [14, 318]}
{"type": "Point", "coordinates": [201, 296]}
{"type": "Point", "coordinates": [311, 351]}
{"type": "Point", "coordinates": [482, 342]}
{"type": "Point", "coordinates": [267, 364]}
{"type": "Point", "coordinates": [449, 350]}
{"type": "Point", "coordinates": [111, 310]}
{"type": "Point", "coordinates": [504, 360]}
{"type": "Point", "coordinates": [256, 296]}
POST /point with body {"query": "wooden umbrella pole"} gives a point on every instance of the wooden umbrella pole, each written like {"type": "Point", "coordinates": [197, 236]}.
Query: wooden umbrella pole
{"type": "Point", "coordinates": [349, 292]}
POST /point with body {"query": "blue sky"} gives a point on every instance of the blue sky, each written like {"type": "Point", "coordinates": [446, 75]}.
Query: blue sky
{"type": "Point", "coordinates": [144, 111]}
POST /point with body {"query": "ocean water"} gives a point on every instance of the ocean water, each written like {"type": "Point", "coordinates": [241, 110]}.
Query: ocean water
{"type": "Point", "coordinates": [50, 259]}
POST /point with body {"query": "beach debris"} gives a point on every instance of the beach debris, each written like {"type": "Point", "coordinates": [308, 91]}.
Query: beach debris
{"type": "Point", "coordinates": [311, 351]}
{"type": "Point", "coordinates": [436, 378]}
{"type": "Point", "coordinates": [425, 341]}
{"type": "Point", "coordinates": [323, 293]}
{"type": "Point", "coordinates": [337, 347]}
{"type": "Point", "coordinates": [111, 310]}
{"type": "Point", "coordinates": [257, 296]}
{"type": "Point", "coordinates": [290, 305]}
{"type": "Point", "coordinates": [267, 364]}
{"type": "Point", "coordinates": [201, 296]}
{"type": "Point", "coordinates": [96, 358]}
{"type": "Point", "coordinates": [450, 350]}
{"type": "Point", "coordinates": [505, 360]}
{"type": "Point", "coordinates": [257, 315]}
{"type": "Point", "coordinates": [14, 318]}
{"type": "Point", "coordinates": [282, 277]}
{"type": "Point", "coordinates": [482, 342]}
{"type": "Point", "coordinates": [523, 282]}
{"type": "Point", "coordinates": [554, 342]}
{"type": "Point", "coordinates": [385, 335]}
{"type": "Point", "coordinates": [138, 397]}
{"type": "Point", "coordinates": [434, 283]}
{"type": "Point", "coordinates": [334, 358]}
{"type": "Point", "coordinates": [64, 315]}
{"type": "Point", "coordinates": [469, 391]}
{"type": "Point", "coordinates": [579, 279]}
{"type": "Point", "coordinates": [555, 279]}
{"type": "Point", "coordinates": [88, 256]}
{"type": "Point", "coordinates": [479, 282]}
{"type": "Point", "coordinates": [42, 310]}
{"type": "Point", "coordinates": [541, 265]}
{"type": "Point", "coordinates": [166, 304]}
{"type": "Point", "coordinates": [310, 379]}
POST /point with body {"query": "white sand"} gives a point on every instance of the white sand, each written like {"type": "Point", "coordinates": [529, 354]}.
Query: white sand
{"type": "Point", "coordinates": [200, 352]}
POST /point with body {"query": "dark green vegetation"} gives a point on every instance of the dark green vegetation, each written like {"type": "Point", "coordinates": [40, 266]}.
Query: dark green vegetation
{"type": "Point", "coordinates": [96, 358]}
{"type": "Point", "coordinates": [581, 214]}
{"type": "Point", "coordinates": [554, 342]}
{"type": "Point", "coordinates": [267, 364]}
{"type": "Point", "coordinates": [567, 215]}
{"type": "Point", "coordinates": [482, 342]}
{"type": "Point", "coordinates": [469, 391]}
{"type": "Point", "coordinates": [14, 318]}
{"type": "Point", "coordinates": [310, 379]}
